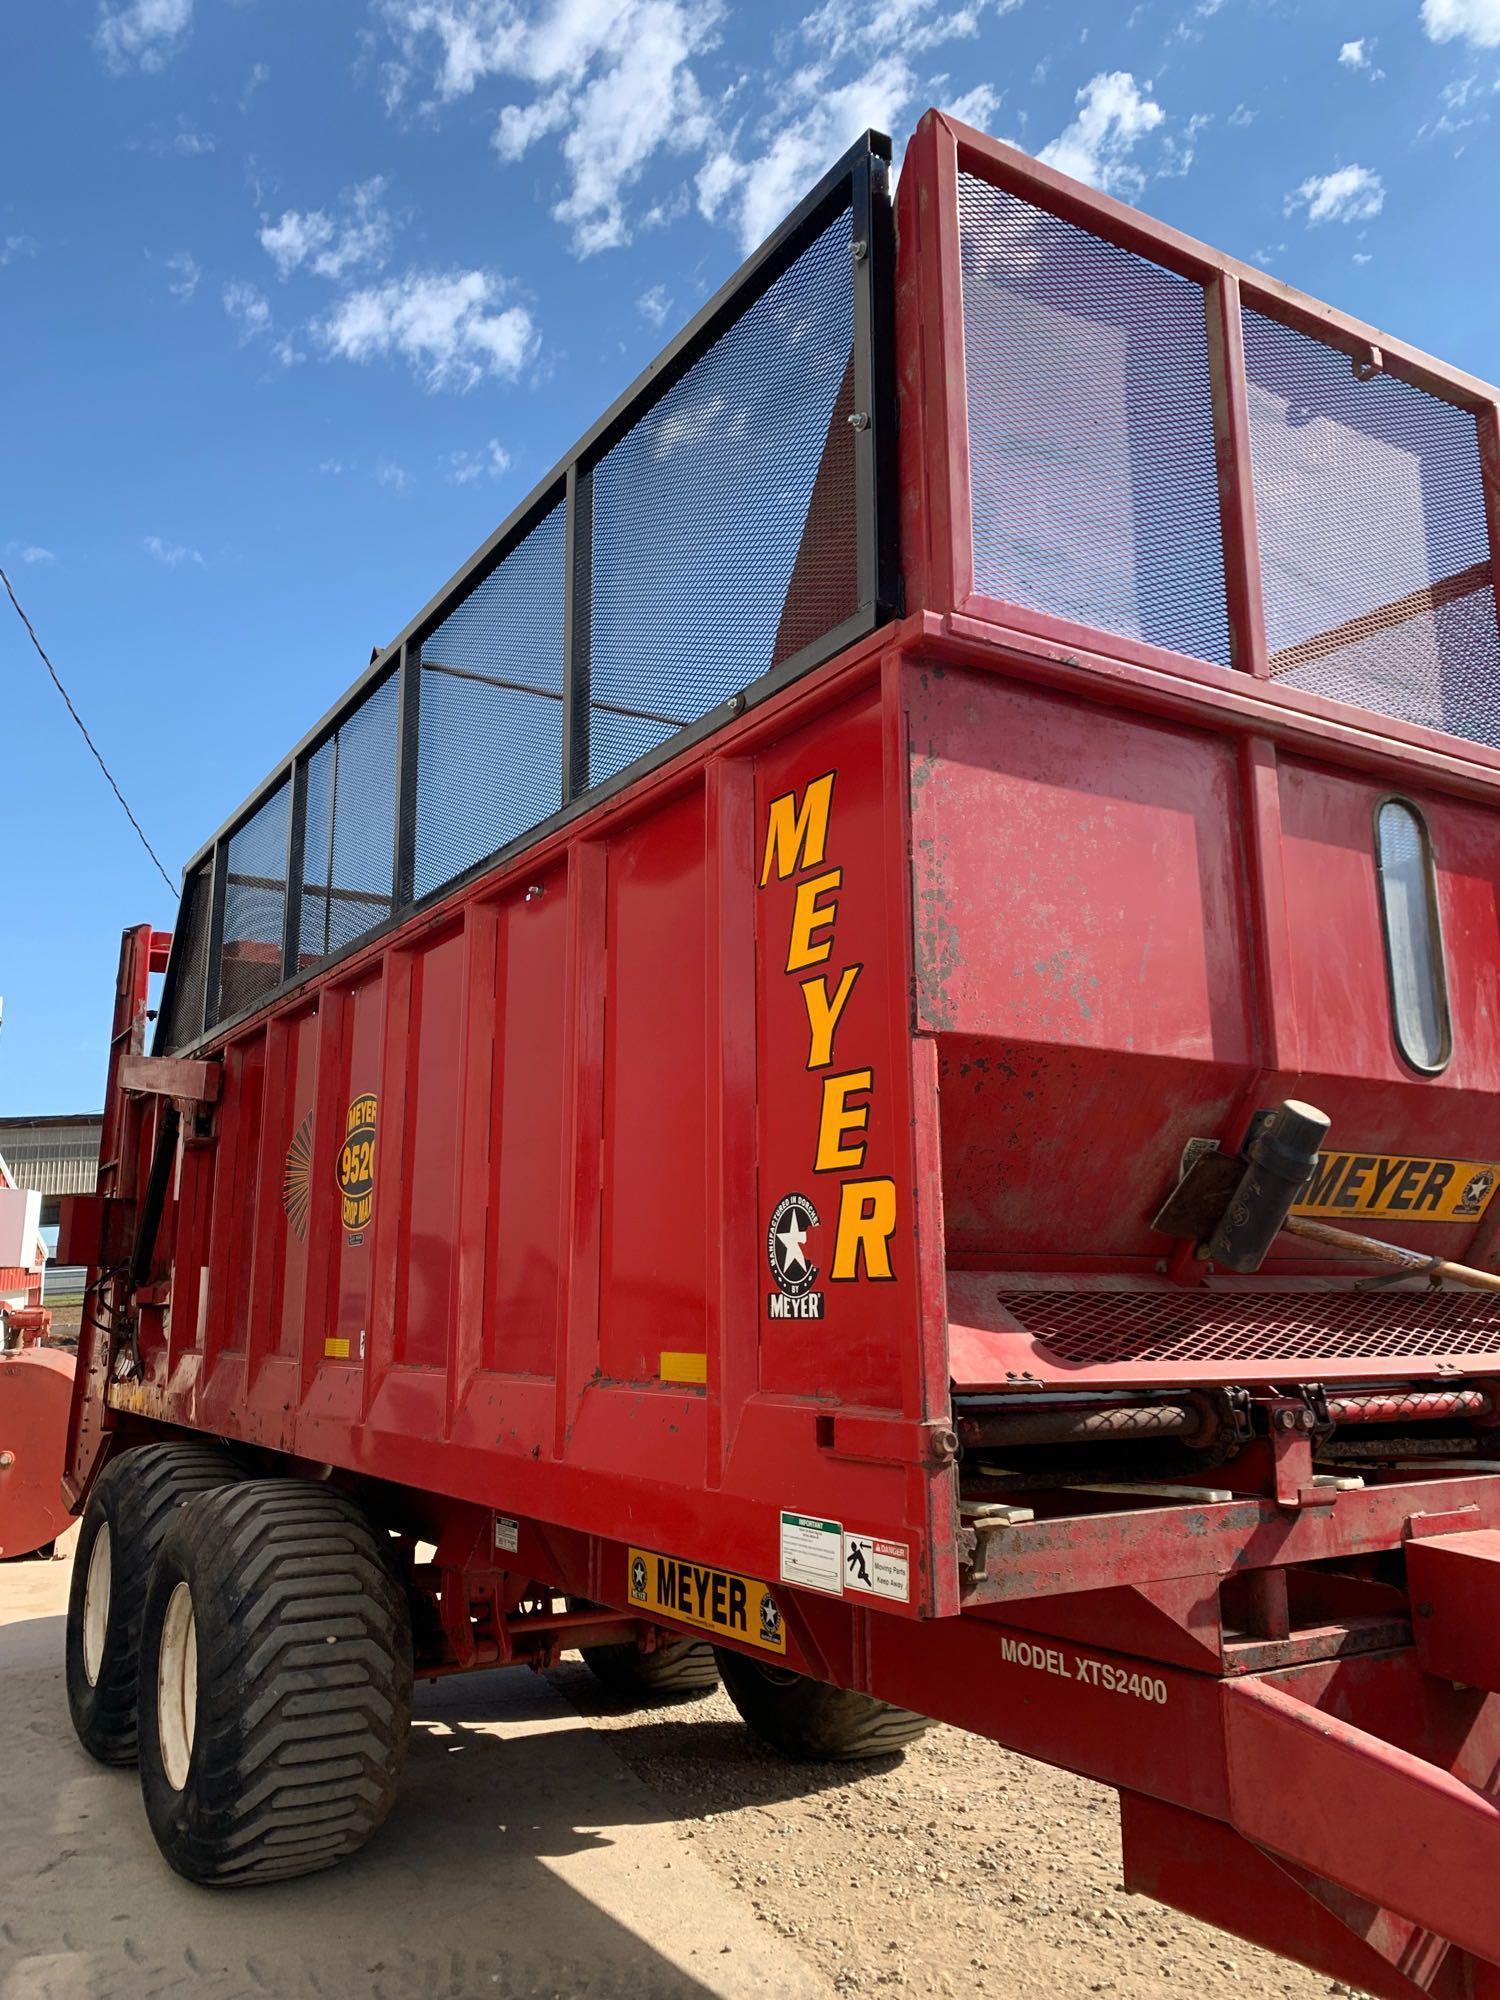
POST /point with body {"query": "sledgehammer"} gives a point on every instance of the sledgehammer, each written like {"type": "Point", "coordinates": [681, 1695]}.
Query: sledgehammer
{"type": "Point", "coordinates": [1235, 1206]}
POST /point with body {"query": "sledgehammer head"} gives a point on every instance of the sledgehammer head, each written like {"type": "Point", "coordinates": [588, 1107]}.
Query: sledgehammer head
{"type": "Point", "coordinates": [1235, 1208]}
{"type": "Point", "coordinates": [1280, 1155]}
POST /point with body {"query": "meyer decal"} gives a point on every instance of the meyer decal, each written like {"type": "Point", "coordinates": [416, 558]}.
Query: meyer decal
{"type": "Point", "coordinates": [1399, 1184]}
{"type": "Point", "coordinates": [796, 843]}
{"type": "Point", "coordinates": [792, 1221]}
{"type": "Point", "coordinates": [356, 1172]}
{"type": "Point", "coordinates": [715, 1600]}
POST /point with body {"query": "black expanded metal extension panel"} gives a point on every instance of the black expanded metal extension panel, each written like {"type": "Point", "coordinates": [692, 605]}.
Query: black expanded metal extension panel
{"type": "Point", "coordinates": [489, 762]}
{"type": "Point", "coordinates": [1374, 545]}
{"type": "Point", "coordinates": [702, 513]}
{"type": "Point", "coordinates": [722, 528]}
{"type": "Point", "coordinates": [1091, 438]}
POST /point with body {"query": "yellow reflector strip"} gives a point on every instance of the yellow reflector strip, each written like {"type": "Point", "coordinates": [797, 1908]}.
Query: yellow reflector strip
{"type": "Point", "coordinates": [335, 1349]}
{"type": "Point", "coordinates": [684, 1368]}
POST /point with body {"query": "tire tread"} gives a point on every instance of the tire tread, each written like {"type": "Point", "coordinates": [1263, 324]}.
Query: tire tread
{"type": "Point", "coordinates": [304, 1690]}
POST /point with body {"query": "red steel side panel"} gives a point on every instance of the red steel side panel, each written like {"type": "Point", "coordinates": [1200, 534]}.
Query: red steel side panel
{"type": "Point", "coordinates": [487, 1210]}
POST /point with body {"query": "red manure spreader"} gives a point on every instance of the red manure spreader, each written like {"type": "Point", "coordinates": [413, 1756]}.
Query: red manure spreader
{"type": "Point", "coordinates": [867, 1061]}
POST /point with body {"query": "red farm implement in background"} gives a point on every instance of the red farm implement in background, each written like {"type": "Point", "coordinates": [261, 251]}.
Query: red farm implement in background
{"type": "Point", "coordinates": [35, 1383]}
{"type": "Point", "coordinates": [881, 1057]}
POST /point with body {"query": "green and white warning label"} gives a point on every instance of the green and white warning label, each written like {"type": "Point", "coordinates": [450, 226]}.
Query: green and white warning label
{"type": "Point", "coordinates": [812, 1552]}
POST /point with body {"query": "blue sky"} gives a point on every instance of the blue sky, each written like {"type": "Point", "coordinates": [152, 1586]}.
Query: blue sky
{"type": "Point", "coordinates": [296, 302]}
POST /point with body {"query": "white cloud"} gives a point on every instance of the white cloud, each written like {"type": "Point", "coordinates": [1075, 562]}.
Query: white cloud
{"type": "Point", "coordinates": [1241, 115]}
{"type": "Point", "coordinates": [171, 554]}
{"type": "Point", "coordinates": [12, 247]}
{"type": "Point", "coordinates": [847, 27]}
{"type": "Point", "coordinates": [145, 34]}
{"type": "Point", "coordinates": [296, 238]}
{"type": "Point", "coordinates": [1357, 56]}
{"type": "Point", "coordinates": [331, 246]}
{"type": "Point", "coordinates": [820, 122]}
{"type": "Point", "coordinates": [521, 125]}
{"type": "Point", "coordinates": [388, 473]}
{"type": "Point", "coordinates": [450, 327]}
{"type": "Point", "coordinates": [976, 107]}
{"type": "Point", "coordinates": [185, 275]}
{"type": "Point", "coordinates": [464, 467]}
{"type": "Point", "coordinates": [1476, 21]}
{"type": "Point", "coordinates": [1464, 105]}
{"type": "Point", "coordinates": [654, 305]}
{"type": "Point", "coordinates": [1113, 118]}
{"type": "Point", "coordinates": [260, 73]}
{"type": "Point", "coordinates": [30, 552]}
{"type": "Point", "coordinates": [1348, 194]}
{"type": "Point", "coordinates": [248, 307]}
{"type": "Point", "coordinates": [613, 77]}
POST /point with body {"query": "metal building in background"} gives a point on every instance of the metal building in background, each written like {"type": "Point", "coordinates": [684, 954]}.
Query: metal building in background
{"type": "Point", "coordinates": [56, 1155]}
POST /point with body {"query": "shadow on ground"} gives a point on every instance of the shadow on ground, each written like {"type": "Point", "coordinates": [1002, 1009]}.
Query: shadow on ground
{"type": "Point", "coordinates": [522, 1859]}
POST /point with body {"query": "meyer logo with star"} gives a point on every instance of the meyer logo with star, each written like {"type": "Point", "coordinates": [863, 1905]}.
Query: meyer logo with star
{"type": "Point", "coordinates": [790, 1256]}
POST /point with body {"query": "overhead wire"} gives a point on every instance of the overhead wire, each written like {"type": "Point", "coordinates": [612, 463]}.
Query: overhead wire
{"type": "Point", "coordinates": [83, 731]}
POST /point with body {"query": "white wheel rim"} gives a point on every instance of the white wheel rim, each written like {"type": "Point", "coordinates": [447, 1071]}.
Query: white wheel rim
{"type": "Point", "coordinates": [96, 1604]}
{"type": "Point", "coordinates": [177, 1686]}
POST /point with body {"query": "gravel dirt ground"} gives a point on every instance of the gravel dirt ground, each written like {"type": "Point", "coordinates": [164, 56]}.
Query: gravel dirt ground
{"type": "Point", "coordinates": [550, 1841]}
{"type": "Point", "coordinates": [959, 1870]}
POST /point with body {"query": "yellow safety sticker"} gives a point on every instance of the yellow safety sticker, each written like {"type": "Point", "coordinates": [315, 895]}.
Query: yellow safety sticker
{"type": "Point", "coordinates": [715, 1600]}
{"type": "Point", "coordinates": [683, 1367]}
{"type": "Point", "coordinates": [1399, 1184]}
{"type": "Point", "coordinates": [336, 1347]}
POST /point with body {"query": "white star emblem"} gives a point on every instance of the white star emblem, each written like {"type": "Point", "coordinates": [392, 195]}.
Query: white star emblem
{"type": "Point", "coordinates": [792, 1239]}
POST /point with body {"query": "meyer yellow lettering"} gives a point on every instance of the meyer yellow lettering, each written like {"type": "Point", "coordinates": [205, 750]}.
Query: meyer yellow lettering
{"type": "Point", "coordinates": [810, 915]}
{"type": "Point", "coordinates": [797, 836]}
{"type": "Point", "coordinates": [867, 1222]}
{"type": "Point", "coordinates": [839, 1116]}
{"type": "Point", "coordinates": [823, 1013]}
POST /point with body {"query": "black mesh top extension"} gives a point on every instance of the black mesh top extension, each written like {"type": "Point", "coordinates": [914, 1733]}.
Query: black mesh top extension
{"type": "Point", "coordinates": [182, 998]}
{"type": "Point", "coordinates": [255, 905]}
{"type": "Point", "coordinates": [1374, 547]}
{"type": "Point", "coordinates": [489, 762]}
{"type": "Point", "coordinates": [717, 531]}
{"type": "Point", "coordinates": [1093, 476]}
{"type": "Point", "coordinates": [348, 848]}
{"type": "Point", "coordinates": [701, 514]}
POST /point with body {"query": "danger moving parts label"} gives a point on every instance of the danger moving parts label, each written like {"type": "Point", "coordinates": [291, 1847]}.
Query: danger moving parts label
{"type": "Point", "coordinates": [715, 1600]}
{"type": "Point", "coordinates": [1399, 1184]}
{"type": "Point", "coordinates": [823, 1555]}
